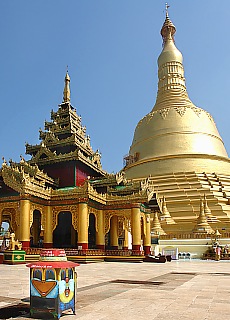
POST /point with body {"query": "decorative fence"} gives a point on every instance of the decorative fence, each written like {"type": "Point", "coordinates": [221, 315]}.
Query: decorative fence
{"type": "Point", "coordinates": [193, 236]}
{"type": "Point", "coordinates": [91, 252]}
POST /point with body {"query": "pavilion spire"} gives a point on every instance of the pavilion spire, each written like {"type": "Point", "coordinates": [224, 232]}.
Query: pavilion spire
{"type": "Point", "coordinates": [66, 92]}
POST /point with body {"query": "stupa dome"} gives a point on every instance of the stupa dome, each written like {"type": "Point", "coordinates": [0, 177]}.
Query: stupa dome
{"type": "Point", "coordinates": [176, 136]}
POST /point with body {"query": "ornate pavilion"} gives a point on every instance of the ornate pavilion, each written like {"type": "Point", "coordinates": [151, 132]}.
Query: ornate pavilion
{"type": "Point", "coordinates": [173, 190]}
{"type": "Point", "coordinates": [64, 197]}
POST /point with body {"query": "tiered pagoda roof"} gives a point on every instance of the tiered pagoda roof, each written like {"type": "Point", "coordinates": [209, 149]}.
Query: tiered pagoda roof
{"type": "Point", "coordinates": [64, 141]}
{"type": "Point", "coordinates": [64, 138]}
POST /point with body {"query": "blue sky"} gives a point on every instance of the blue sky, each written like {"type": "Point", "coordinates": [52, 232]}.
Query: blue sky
{"type": "Point", "coordinates": [111, 48]}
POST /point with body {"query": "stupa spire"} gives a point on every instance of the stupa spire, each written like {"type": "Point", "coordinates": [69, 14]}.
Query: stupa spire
{"type": "Point", "coordinates": [168, 29]}
{"type": "Point", "coordinates": [165, 215]}
{"type": "Point", "coordinates": [202, 225]}
{"type": "Point", "coordinates": [156, 226]}
{"type": "Point", "coordinates": [66, 92]}
{"type": "Point", "coordinates": [208, 213]}
{"type": "Point", "coordinates": [171, 81]}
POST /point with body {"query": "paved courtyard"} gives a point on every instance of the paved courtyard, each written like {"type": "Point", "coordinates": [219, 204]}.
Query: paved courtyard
{"type": "Point", "coordinates": [115, 291]}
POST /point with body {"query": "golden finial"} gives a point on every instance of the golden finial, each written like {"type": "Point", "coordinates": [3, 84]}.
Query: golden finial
{"type": "Point", "coordinates": [168, 29]}
{"type": "Point", "coordinates": [66, 92]}
{"type": "Point", "coordinates": [166, 9]}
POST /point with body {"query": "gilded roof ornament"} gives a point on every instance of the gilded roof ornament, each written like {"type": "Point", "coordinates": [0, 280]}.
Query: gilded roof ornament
{"type": "Point", "coordinates": [66, 92]}
{"type": "Point", "coordinates": [168, 29]}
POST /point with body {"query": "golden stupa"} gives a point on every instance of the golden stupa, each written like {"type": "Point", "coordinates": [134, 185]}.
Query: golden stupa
{"type": "Point", "coordinates": [177, 145]}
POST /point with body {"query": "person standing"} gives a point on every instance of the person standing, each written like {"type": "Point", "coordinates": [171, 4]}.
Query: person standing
{"type": "Point", "coordinates": [218, 253]}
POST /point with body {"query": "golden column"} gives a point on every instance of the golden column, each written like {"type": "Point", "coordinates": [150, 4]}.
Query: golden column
{"type": "Point", "coordinates": [114, 233]}
{"type": "Point", "coordinates": [83, 226]}
{"type": "Point", "coordinates": [136, 227]}
{"type": "Point", "coordinates": [147, 236]}
{"type": "Point", "coordinates": [126, 240]}
{"type": "Point", "coordinates": [25, 223]}
{"type": "Point", "coordinates": [100, 234]}
{"type": "Point", "coordinates": [48, 231]}
{"type": "Point", "coordinates": [16, 228]}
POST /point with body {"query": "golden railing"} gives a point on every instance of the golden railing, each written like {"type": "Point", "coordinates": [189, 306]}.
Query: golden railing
{"type": "Point", "coordinates": [91, 252]}
{"type": "Point", "coordinates": [193, 236]}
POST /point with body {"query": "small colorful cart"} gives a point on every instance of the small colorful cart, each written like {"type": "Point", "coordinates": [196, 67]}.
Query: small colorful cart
{"type": "Point", "coordinates": [53, 282]}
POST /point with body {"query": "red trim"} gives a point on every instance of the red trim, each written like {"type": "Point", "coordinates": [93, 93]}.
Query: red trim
{"type": "Point", "coordinates": [135, 205]}
{"type": "Point", "coordinates": [147, 249]}
{"type": "Point", "coordinates": [47, 245]}
{"type": "Point", "coordinates": [136, 247]}
{"type": "Point", "coordinates": [125, 248]}
{"type": "Point", "coordinates": [25, 244]}
{"type": "Point", "coordinates": [83, 245]}
{"type": "Point", "coordinates": [101, 246]}
{"type": "Point", "coordinates": [52, 252]}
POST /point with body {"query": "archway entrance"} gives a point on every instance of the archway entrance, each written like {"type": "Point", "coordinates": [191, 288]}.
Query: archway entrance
{"type": "Point", "coordinates": [9, 221]}
{"type": "Point", "coordinates": [92, 232]}
{"type": "Point", "coordinates": [5, 227]}
{"type": "Point", "coordinates": [35, 230]}
{"type": "Point", "coordinates": [64, 236]}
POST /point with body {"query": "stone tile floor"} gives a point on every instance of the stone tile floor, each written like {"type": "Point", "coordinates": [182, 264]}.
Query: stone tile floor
{"type": "Point", "coordinates": [188, 290]}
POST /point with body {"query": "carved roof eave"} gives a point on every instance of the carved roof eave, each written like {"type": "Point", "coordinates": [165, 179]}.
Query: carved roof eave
{"type": "Point", "coordinates": [71, 141]}
{"type": "Point", "coordinates": [109, 180]}
{"type": "Point", "coordinates": [88, 192]}
{"type": "Point", "coordinates": [70, 111]}
{"type": "Point", "coordinates": [20, 181]}
{"type": "Point", "coordinates": [140, 197]}
{"type": "Point", "coordinates": [57, 130]}
{"type": "Point", "coordinates": [70, 108]}
{"type": "Point", "coordinates": [37, 191]}
{"type": "Point", "coordinates": [130, 187]}
{"type": "Point", "coordinates": [71, 117]}
{"type": "Point", "coordinates": [53, 158]}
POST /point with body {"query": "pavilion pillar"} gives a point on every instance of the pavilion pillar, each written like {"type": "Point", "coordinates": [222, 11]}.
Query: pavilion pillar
{"type": "Point", "coordinates": [114, 233]}
{"type": "Point", "coordinates": [48, 232]}
{"type": "Point", "coordinates": [136, 227]}
{"type": "Point", "coordinates": [83, 226]}
{"type": "Point", "coordinates": [147, 236]}
{"type": "Point", "coordinates": [100, 234]}
{"type": "Point", "coordinates": [17, 232]}
{"type": "Point", "coordinates": [126, 240]}
{"type": "Point", "coordinates": [25, 223]}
